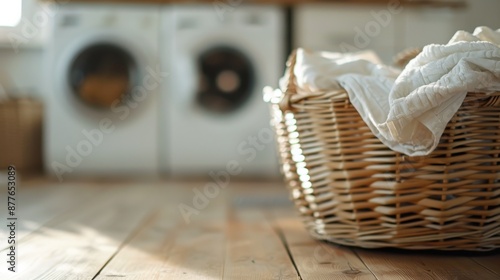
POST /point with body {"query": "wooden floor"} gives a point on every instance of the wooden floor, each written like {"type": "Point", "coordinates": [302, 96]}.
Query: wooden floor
{"type": "Point", "coordinates": [246, 231]}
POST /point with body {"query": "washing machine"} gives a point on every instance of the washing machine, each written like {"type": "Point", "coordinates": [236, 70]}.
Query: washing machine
{"type": "Point", "coordinates": [214, 113]}
{"type": "Point", "coordinates": [103, 84]}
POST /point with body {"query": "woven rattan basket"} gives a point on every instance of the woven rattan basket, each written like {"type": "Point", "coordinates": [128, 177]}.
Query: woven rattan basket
{"type": "Point", "coordinates": [353, 190]}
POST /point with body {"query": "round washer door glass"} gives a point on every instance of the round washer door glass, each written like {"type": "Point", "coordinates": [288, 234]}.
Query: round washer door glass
{"type": "Point", "coordinates": [102, 74]}
{"type": "Point", "coordinates": [226, 79]}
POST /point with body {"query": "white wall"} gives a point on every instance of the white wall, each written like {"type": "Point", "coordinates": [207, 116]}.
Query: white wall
{"type": "Point", "coordinates": [23, 69]}
{"type": "Point", "coordinates": [21, 72]}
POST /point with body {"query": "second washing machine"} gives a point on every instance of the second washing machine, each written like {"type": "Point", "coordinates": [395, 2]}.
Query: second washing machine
{"type": "Point", "coordinates": [214, 115]}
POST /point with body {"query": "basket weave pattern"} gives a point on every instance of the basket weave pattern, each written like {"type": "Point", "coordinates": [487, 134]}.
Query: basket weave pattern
{"type": "Point", "coordinates": [351, 189]}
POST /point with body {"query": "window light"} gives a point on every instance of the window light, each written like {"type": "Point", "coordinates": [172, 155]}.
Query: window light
{"type": "Point", "coordinates": [10, 12]}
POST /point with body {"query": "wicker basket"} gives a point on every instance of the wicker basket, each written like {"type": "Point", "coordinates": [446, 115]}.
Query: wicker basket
{"type": "Point", "coordinates": [353, 190]}
{"type": "Point", "coordinates": [21, 134]}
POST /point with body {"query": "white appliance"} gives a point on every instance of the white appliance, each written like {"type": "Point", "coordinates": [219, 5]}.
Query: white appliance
{"type": "Point", "coordinates": [103, 87]}
{"type": "Point", "coordinates": [220, 61]}
{"type": "Point", "coordinates": [387, 28]}
{"type": "Point", "coordinates": [343, 27]}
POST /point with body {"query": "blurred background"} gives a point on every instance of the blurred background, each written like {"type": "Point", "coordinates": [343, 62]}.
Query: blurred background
{"type": "Point", "coordinates": [152, 89]}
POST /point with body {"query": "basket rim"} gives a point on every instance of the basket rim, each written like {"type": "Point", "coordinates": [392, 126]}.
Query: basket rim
{"type": "Point", "coordinates": [291, 95]}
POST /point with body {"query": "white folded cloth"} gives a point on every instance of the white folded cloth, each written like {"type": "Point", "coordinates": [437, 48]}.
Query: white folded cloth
{"type": "Point", "coordinates": [409, 110]}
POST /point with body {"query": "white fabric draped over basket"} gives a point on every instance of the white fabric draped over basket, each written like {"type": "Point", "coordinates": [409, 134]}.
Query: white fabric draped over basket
{"type": "Point", "coordinates": [408, 110]}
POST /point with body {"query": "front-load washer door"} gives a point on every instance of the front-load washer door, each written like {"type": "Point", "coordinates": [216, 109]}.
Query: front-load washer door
{"type": "Point", "coordinates": [101, 75]}
{"type": "Point", "coordinates": [226, 80]}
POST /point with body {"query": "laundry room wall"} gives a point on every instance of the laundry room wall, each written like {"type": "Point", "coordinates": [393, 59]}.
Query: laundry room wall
{"type": "Point", "coordinates": [23, 71]}
{"type": "Point", "coordinates": [22, 49]}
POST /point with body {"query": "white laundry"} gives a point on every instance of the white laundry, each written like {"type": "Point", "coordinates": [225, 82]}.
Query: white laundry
{"type": "Point", "coordinates": [409, 110]}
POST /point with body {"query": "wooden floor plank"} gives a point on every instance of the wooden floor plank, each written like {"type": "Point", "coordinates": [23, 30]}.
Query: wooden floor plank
{"type": "Point", "coordinates": [490, 262]}
{"type": "Point", "coordinates": [417, 265]}
{"type": "Point", "coordinates": [315, 259]}
{"type": "Point", "coordinates": [79, 247]}
{"type": "Point", "coordinates": [38, 205]}
{"type": "Point", "coordinates": [254, 249]}
{"type": "Point", "coordinates": [197, 253]}
{"type": "Point", "coordinates": [26, 199]}
{"type": "Point", "coordinates": [144, 255]}
{"type": "Point", "coordinates": [197, 248]}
